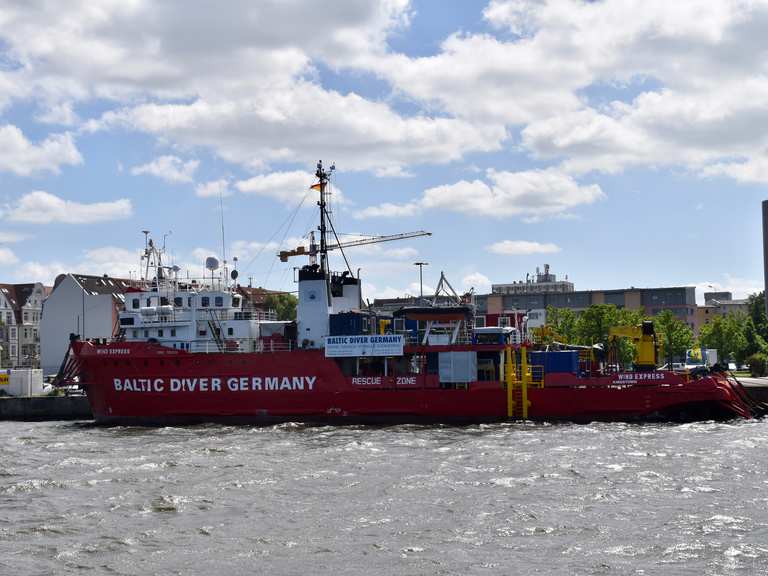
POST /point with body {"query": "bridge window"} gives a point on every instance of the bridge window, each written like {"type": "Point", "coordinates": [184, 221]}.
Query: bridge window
{"type": "Point", "coordinates": [205, 301]}
{"type": "Point", "coordinates": [159, 333]}
{"type": "Point", "coordinates": [135, 303]}
{"type": "Point", "coordinates": [230, 331]}
{"type": "Point", "coordinates": [219, 300]}
{"type": "Point", "coordinates": [235, 302]}
{"type": "Point", "coordinates": [178, 301]}
{"type": "Point", "coordinates": [163, 301]}
{"type": "Point", "coordinates": [173, 331]}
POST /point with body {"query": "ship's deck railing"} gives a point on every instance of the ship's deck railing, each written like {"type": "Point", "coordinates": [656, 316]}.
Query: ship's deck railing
{"type": "Point", "coordinates": [233, 346]}
{"type": "Point", "coordinates": [203, 314]}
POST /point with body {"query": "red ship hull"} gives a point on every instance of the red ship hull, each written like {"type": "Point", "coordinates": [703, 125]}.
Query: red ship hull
{"type": "Point", "coordinates": [138, 383]}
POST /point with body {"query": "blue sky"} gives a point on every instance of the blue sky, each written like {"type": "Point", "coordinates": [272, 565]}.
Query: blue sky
{"type": "Point", "coordinates": [621, 142]}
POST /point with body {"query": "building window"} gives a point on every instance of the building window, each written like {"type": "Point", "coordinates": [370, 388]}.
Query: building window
{"type": "Point", "coordinates": [219, 300]}
{"type": "Point", "coordinates": [26, 316]}
{"type": "Point", "coordinates": [205, 301]}
{"type": "Point", "coordinates": [13, 333]}
{"type": "Point", "coordinates": [178, 301]}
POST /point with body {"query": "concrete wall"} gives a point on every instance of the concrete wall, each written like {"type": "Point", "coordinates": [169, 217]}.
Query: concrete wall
{"type": "Point", "coordinates": [46, 408]}
{"type": "Point", "coordinates": [63, 315]}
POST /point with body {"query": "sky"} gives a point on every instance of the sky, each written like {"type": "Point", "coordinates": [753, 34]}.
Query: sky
{"type": "Point", "coordinates": [624, 143]}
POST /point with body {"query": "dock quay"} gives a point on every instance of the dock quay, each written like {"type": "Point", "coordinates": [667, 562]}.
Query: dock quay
{"type": "Point", "coordinates": [756, 387]}
{"type": "Point", "coordinates": [40, 408]}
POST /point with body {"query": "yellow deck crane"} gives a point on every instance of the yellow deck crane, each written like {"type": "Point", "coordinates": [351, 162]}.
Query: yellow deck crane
{"type": "Point", "coordinates": [643, 336]}
{"type": "Point", "coordinates": [312, 251]}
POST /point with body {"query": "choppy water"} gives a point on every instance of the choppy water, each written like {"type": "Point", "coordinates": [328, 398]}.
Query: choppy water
{"type": "Point", "coordinates": [501, 499]}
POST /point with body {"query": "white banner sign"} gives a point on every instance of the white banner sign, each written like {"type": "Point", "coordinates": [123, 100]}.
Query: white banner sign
{"type": "Point", "coordinates": [367, 345]}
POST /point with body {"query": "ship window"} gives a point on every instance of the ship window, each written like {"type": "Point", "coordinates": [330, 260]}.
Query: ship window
{"type": "Point", "coordinates": [235, 302]}
{"type": "Point", "coordinates": [149, 301]}
{"type": "Point", "coordinates": [163, 301]}
{"type": "Point", "coordinates": [189, 302]}
{"type": "Point", "coordinates": [230, 331]}
{"type": "Point", "coordinates": [173, 331]}
{"type": "Point", "coordinates": [205, 301]}
{"type": "Point", "coordinates": [159, 333]}
{"type": "Point", "coordinates": [146, 333]}
{"type": "Point", "coordinates": [202, 333]}
{"type": "Point", "coordinates": [135, 333]}
{"type": "Point", "coordinates": [178, 301]}
{"type": "Point", "coordinates": [135, 303]}
{"type": "Point", "coordinates": [219, 300]}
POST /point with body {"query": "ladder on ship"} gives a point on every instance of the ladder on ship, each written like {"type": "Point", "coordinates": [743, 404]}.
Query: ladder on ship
{"type": "Point", "coordinates": [215, 327]}
{"type": "Point", "coordinates": [518, 379]}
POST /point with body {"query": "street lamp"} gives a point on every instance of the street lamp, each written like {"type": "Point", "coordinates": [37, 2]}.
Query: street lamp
{"type": "Point", "coordinates": [421, 279]}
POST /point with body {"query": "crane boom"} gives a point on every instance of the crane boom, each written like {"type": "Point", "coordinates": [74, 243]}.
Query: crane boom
{"type": "Point", "coordinates": [302, 251]}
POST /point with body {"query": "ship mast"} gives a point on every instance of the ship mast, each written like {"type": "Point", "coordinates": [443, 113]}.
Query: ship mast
{"type": "Point", "coordinates": [323, 176]}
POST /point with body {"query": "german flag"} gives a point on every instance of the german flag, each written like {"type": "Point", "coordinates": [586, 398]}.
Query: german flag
{"type": "Point", "coordinates": [317, 186]}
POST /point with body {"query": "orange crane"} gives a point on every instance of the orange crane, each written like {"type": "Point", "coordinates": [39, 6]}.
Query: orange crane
{"type": "Point", "coordinates": [313, 249]}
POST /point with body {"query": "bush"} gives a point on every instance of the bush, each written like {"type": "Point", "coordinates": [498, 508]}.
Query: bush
{"type": "Point", "coordinates": [758, 363]}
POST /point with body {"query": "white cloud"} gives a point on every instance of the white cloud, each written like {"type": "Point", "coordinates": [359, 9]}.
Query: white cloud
{"type": "Point", "coordinates": [389, 210]}
{"type": "Point", "coordinates": [522, 248]}
{"type": "Point", "coordinates": [11, 237]}
{"type": "Point", "coordinates": [739, 287]}
{"type": "Point", "coordinates": [213, 189]}
{"type": "Point", "coordinates": [480, 282]}
{"type": "Point", "coordinates": [45, 272]}
{"type": "Point", "coordinates": [59, 113]}
{"type": "Point", "coordinates": [22, 157]}
{"type": "Point", "coordinates": [751, 171]}
{"type": "Point", "coordinates": [7, 256]}
{"type": "Point", "coordinates": [248, 88]}
{"type": "Point", "coordinates": [41, 207]}
{"type": "Point", "coordinates": [528, 193]}
{"type": "Point", "coordinates": [287, 124]}
{"type": "Point", "coordinates": [169, 168]}
{"type": "Point", "coordinates": [286, 187]}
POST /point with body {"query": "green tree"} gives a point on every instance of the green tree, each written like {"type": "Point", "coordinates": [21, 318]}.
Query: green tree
{"type": "Point", "coordinates": [562, 323]}
{"type": "Point", "coordinates": [283, 304]}
{"type": "Point", "coordinates": [755, 343]}
{"type": "Point", "coordinates": [756, 311]}
{"type": "Point", "coordinates": [674, 335]}
{"type": "Point", "coordinates": [726, 334]}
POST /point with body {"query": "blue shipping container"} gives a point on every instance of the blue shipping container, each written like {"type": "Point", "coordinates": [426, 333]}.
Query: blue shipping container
{"type": "Point", "coordinates": [561, 361]}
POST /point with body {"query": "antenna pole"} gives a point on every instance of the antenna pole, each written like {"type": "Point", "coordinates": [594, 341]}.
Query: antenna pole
{"type": "Point", "coordinates": [323, 176]}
